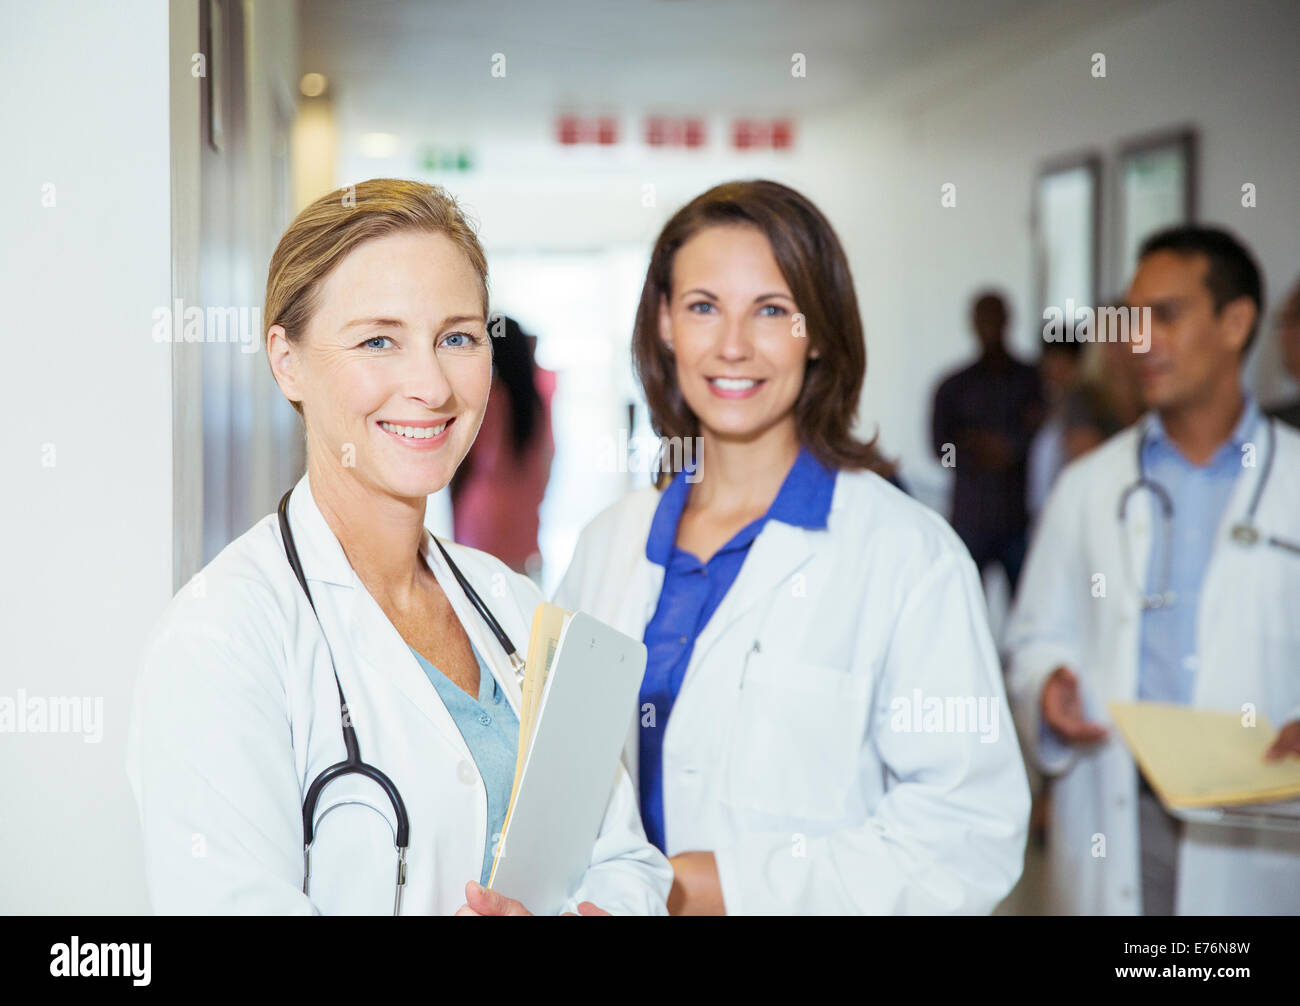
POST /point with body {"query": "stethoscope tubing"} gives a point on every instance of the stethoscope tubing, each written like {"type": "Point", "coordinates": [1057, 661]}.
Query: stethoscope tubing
{"type": "Point", "coordinates": [1243, 531]}
{"type": "Point", "coordinates": [353, 764]}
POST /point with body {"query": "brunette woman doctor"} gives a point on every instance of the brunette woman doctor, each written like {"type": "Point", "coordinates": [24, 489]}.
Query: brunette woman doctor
{"type": "Point", "coordinates": [822, 724]}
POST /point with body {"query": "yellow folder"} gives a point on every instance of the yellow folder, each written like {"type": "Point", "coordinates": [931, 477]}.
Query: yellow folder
{"type": "Point", "coordinates": [1205, 758]}
{"type": "Point", "coordinates": [543, 640]}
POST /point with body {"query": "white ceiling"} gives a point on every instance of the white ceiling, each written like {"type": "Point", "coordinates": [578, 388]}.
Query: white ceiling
{"type": "Point", "coordinates": [403, 65]}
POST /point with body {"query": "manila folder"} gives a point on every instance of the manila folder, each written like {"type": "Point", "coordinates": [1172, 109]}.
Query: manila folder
{"type": "Point", "coordinates": [1205, 758]}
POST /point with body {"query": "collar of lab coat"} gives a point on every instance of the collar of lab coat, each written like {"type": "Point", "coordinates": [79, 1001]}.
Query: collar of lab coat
{"type": "Point", "coordinates": [776, 555]}
{"type": "Point", "coordinates": [378, 645]}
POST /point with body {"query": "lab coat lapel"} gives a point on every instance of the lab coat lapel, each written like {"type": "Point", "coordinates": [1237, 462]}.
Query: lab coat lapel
{"type": "Point", "coordinates": [1225, 549]}
{"type": "Point", "coordinates": [369, 637]}
{"type": "Point", "coordinates": [475, 627]}
{"type": "Point", "coordinates": [1142, 517]}
{"type": "Point", "coordinates": [774, 557]}
{"type": "Point", "coordinates": [383, 653]}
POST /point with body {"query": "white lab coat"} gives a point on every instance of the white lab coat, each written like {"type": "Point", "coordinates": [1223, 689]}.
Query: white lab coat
{"type": "Point", "coordinates": [786, 754]}
{"type": "Point", "coordinates": [1248, 652]}
{"type": "Point", "coordinates": [236, 712]}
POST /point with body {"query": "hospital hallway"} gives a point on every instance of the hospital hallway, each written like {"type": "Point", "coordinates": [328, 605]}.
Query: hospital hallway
{"type": "Point", "coordinates": [1018, 189]}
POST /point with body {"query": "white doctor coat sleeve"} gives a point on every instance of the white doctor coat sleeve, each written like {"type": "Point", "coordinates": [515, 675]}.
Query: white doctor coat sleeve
{"type": "Point", "coordinates": [628, 875]}
{"type": "Point", "coordinates": [948, 835]}
{"type": "Point", "coordinates": [211, 764]}
{"type": "Point", "coordinates": [1044, 630]}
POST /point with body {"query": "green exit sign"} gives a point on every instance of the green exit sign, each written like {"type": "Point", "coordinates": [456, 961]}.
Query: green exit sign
{"type": "Point", "coordinates": [445, 159]}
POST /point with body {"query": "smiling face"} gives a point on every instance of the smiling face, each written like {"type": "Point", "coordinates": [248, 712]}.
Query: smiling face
{"type": "Point", "coordinates": [730, 325]}
{"type": "Point", "coordinates": [394, 368]}
{"type": "Point", "coordinates": [1194, 349]}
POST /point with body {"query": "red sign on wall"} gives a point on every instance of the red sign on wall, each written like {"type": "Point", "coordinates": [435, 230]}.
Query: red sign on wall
{"type": "Point", "coordinates": [760, 134]}
{"type": "Point", "coordinates": [674, 131]}
{"type": "Point", "coordinates": [572, 130]}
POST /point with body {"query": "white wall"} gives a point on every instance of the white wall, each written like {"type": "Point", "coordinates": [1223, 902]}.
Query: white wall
{"type": "Point", "coordinates": [986, 119]}
{"type": "Point", "coordinates": [104, 499]}
{"type": "Point", "coordinates": [88, 538]}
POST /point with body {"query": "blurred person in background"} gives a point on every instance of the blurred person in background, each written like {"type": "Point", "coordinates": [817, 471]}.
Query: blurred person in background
{"type": "Point", "coordinates": [1166, 568]}
{"type": "Point", "coordinates": [1088, 420]}
{"type": "Point", "coordinates": [1288, 328]}
{"type": "Point", "coordinates": [1111, 367]}
{"type": "Point", "coordinates": [984, 418]}
{"type": "Point", "coordinates": [497, 493]}
{"type": "Point", "coordinates": [1060, 369]}
{"type": "Point", "coordinates": [796, 608]}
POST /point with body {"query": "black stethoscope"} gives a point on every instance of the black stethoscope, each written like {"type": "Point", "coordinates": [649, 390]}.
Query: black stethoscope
{"type": "Point", "coordinates": [352, 764]}
{"type": "Point", "coordinates": [1244, 532]}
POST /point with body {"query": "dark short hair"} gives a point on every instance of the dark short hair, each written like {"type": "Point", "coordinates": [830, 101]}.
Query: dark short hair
{"type": "Point", "coordinates": [990, 297]}
{"type": "Point", "coordinates": [1232, 273]}
{"type": "Point", "coordinates": [813, 263]}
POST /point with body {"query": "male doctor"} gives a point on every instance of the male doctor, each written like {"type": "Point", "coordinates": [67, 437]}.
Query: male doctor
{"type": "Point", "coordinates": [1185, 591]}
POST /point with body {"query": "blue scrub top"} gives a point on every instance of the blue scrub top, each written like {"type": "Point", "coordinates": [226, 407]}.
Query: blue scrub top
{"type": "Point", "coordinates": [1167, 665]}
{"type": "Point", "coordinates": [491, 731]}
{"type": "Point", "coordinates": [691, 593]}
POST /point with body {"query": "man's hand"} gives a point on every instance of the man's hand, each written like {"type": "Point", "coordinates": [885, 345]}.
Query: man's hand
{"type": "Point", "coordinates": [480, 900]}
{"type": "Point", "coordinates": [696, 888]}
{"type": "Point", "coordinates": [1288, 742]}
{"type": "Point", "coordinates": [1063, 712]}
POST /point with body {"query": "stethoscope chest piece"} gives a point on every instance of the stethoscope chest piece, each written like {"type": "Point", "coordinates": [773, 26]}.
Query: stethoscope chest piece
{"type": "Point", "coordinates": [1245, 534]}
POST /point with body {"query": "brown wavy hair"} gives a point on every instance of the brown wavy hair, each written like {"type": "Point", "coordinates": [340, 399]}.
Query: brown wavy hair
{"type": "Point", "coordinates": [813, 262]}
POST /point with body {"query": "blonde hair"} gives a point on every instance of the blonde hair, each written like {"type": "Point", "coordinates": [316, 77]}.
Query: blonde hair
{"type": "Point", "coordinates": [322, 235]}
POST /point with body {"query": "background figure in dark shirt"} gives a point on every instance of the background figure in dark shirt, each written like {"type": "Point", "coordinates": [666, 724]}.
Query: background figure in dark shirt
{"type": "Point", "coordinates": [1288, 328]}
{"type": "Point", "coordinates": [984, 419]}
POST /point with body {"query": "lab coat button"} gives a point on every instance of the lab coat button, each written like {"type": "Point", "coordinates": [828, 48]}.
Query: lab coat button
{"type": "Point", "coordinates": [484, 718]}
{"type": "Point", "coordinates": [465, 774]}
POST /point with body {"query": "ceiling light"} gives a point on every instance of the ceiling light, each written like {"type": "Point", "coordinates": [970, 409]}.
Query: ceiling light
{"type": "Point", "coordinates": [313, 84]}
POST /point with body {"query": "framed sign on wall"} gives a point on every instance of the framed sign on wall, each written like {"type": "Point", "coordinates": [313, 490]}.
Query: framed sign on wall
{"type": "Point", "coordinates": [1157, 189]}
{"type": "Point", "coordinates": [1067, 231]}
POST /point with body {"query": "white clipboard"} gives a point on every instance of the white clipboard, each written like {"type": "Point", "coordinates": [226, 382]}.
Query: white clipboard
{"type": "Point", "coordinates": [571, 767]}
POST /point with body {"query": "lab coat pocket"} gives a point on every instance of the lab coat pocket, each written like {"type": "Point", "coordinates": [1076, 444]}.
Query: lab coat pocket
{"type": "Point", "coordinates": [795, 740]}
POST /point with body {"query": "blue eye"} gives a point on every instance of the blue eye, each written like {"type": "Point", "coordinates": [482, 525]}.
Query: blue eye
{"type": "Point", "coordinates": [700, 303]}
{"type": "Point", "coordinates": [465, 338]}
{"type": "Point", "coordinates": [369, 343]}
{"type": "Point", "coordinates": [775, 307]}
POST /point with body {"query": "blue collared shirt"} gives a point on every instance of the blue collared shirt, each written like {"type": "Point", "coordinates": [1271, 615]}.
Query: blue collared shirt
{"type": "Point", "coordinates": [691, 593]}
{"type": "Point", "coordinates": [1167, 658]}
{"type": "Point", "coordinates": [491, 732]}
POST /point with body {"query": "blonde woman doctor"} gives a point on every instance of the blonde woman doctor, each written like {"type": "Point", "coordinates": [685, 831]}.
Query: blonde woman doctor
{"type": "Point", "coordinates": [378, 337]}
{"type": "Point", "coordinates": [822, 725]}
